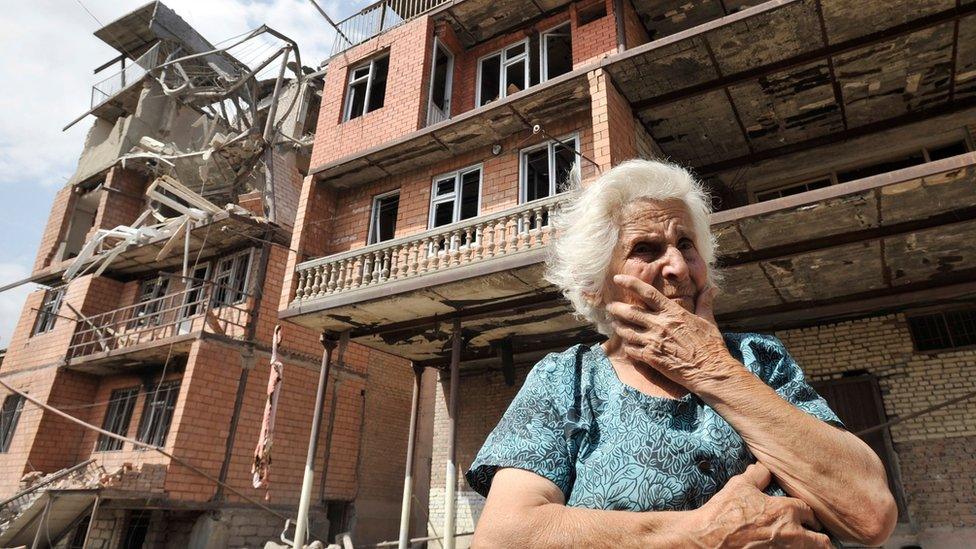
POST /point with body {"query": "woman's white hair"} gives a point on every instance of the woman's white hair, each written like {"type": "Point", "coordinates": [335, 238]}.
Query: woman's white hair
{"type": "Point", "coordinates": [587, 226]}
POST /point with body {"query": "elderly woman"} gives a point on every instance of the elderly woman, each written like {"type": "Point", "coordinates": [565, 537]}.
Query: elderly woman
{"type": "Point", "coordinates": [668, 433]}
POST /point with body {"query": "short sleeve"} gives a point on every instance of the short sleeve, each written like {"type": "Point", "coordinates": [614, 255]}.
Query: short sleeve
{"type": "Point", "coordinates": [532, 434]}
{"type": "Point", "coordinates": [767, 357]}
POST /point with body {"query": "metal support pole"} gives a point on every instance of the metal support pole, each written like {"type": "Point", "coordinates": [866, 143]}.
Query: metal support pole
{"type": "Point", "coordinates": [301, 525]}
{"type": "Point", "coordinates": [408, 474]}
{"type": "Point", "coordinates": [42, 522]}
{"type": "Point", "coordinates": [91, 521]}
{"type": "Point", "coordinates": [451, 476]}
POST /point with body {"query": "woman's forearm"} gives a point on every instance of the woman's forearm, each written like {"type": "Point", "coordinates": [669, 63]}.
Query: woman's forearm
{"type": "Point", "coordinates": [830, 469]}
{"type": "Point", "coordinates": [554, 525]}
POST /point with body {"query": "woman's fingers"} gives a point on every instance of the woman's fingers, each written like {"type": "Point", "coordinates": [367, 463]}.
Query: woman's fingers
{"type": "Point", "coordinates": [802, 513]}
{"type": "Point", "coordinates": [629, 313]}
{"type": "Point", "coordinates": [704, 304]}
{"type": "Point", "coordinates": [655, 299]}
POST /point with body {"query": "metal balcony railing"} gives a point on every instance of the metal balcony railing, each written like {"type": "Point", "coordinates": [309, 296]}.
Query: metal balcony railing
{"type": "Point", "coordinates": [519, 229]}
{"type": "Point", "coordinates": [201, 306]}
{"type": "Point", "coordinates": [107, 88]}
{"type": "Point", "coordinates": [377, 18]}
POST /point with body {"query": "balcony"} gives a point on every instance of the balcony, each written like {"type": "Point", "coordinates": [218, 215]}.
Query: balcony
{"type": "Point", "coordinates": [151, 330]}
{"type": "Point", "coordinates": [376, 19]}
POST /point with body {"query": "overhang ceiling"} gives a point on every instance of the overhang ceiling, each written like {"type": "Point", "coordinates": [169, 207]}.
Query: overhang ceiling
{"type": "Point", "coordinates": [475, 21]}
{"type": "Point", "coordinates": [781, 76]}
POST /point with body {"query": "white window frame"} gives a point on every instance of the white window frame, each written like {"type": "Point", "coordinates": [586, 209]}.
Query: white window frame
{"type": "Point", "coordinates": [455, 196]}
{"type": "Point", "coordinates": [47, 313]}
{"type": "Point", "coordinates": [374, 213]}
{"type": "Point", "coordinates": [450, 80]}
{"type": "Point", "coordinates": [231, 275]}
{"type": "Point", "coordinates": [505, 62]}
{"type": "Point", "coordinates": [544, 48]}
{"type": "Point", "coordinates": [551, 146]}
{"type": "Point", "coordinates": [347, 110]}
{"type": "Point", "coordinates": [185, 315]}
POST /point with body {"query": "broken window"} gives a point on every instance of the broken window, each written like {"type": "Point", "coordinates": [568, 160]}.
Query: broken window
{"type": "Point", "coordinates": [157, 414]}
{"type": "Point", "coordinates": [503, 73]}
{"type": "Point", "coordinates": [117, 418]}
{"type": "Point", "coordinates": [944, 330]}
{"type": "Point", "coordinates": [47, 315]}
{"type": "Point", "coordinates": [193, 299]}
{"type": "Point", "coordinates": [382, 223]}
{"type": "Point", "coordinates": [81, 222]}
{"type": "Point", "coordinates": [441, 76]}
{"type": "Point", "coordinates": [9, 416]}
{"type": "Point", "coordinates": [557, 52]}
{"type": "Point", "coordinates": [366, 91]}
{"type": "Point", "coordinates": [545, 168]}
{"type": "Point", "coordinates": [147, 312]}
{"type": "Point", "coordinates": [230, 279]}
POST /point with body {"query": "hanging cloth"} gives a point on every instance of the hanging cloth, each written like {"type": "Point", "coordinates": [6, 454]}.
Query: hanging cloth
{"type": "Point", "coordinates": [261, 468]}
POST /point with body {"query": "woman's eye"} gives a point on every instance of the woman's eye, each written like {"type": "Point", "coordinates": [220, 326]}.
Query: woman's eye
{"type": "Point", "coordinates": [685, 244]}
{"type": "Point", "coordinates": [645, 248]}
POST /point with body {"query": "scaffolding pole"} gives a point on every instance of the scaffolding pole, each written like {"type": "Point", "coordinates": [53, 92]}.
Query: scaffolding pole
{"type": "Point", "coordinates": [408, 474]}
{"type": "Point", "coordinates": [451, 477]}
{"type": "Point", "coordinates": [301, 525]}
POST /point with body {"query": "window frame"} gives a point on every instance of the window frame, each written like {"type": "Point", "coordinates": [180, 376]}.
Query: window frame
{"type": "Point", "coordinates": [146, 433]}
{"type": "Point", "coordinates": [122, 402]}
{"type": "Point", "coordinates": [455, 196]}
{"type": "Point", "coordinates": [942, 315]}
{"type": "Point", "coordinates": [450, 79]}
{"type": "Point", "coordinates": [374, 216]}
{"type": "Point", "coordinates": [550, 145]}
{"type": "Point", "coordinates": [504, 63]}
{"type": "Point", "coordinates": [350, 81]}
{"type": "Point", "coordinates": [9, 420]}
{"type": "Point", "coordinates": [147, 311]}
{"type": "Point", "coordinates": [543, 48]}
{"type": "Point", "coordinates": [46, 319]}
{"type": "Point", "coordinates": [239, 296]}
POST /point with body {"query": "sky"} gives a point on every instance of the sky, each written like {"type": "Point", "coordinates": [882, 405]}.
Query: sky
{"type": "Point", "coordinates": [47, 55]}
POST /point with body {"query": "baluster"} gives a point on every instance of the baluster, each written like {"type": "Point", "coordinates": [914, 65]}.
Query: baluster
{"type": "Point", "coordinates": [415, 264]}
{"type": "Point", "coordinates": [302, 283]}
{"type": "Point", "coordinates": [395, 261]}
{"type": "Point", "coordinates": [538, 224]}
{"type": "Point", "coordinates": [367, 271]}
{"type": "Point", "coordinates": [513, 241]}
{"type": "Point", "coordinates": [489, 243]}
{"type": "Point", "coordinates": [455, 247]}
{"type": "Point", "coordinates": [503, 237]}
{"type": "Point", "coordinates": [333, 277]}
{"type": "Point", "coordinates": [346, 280]}
{"type": "Point", "coordinates": [427, 251]}
{"type": "Point", "coordinates": [309, 281]}
{"type": "Point", "coordinates": [479, 242]}
{"type": "Point", "coordinates": [525, 238]}
{"type": "Point", "coordinates": [380, 267]}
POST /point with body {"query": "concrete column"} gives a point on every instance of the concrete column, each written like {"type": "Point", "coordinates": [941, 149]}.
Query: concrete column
{"type": "Point", "coordinates": [408, 474]}
{"type": "Point", "coordinates": [452, 407]}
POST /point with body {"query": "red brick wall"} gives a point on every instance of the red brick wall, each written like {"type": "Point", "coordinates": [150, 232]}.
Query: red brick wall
{"type": "Point", "coordinates": [54, 229]}
{"type": "Point", "coordinates": [405, 94]}
{"type": "Point", "coordinates": [634, 32]}
{"type": "Point", "coordinates": [595, 39]}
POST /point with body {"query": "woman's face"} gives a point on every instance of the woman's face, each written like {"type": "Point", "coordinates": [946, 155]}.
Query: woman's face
{"type": "Point", "coordinates": [657, 245]}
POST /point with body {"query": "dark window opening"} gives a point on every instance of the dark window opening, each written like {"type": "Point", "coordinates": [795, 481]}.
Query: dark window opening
{"type": "Point", "coordinates": [557, 51]}
{"type": "Point", "coordinates": [13, 405]}
{"type": "Point", "coordinates": [537, 174]}
{"type": "Point", "coordinates": [81, 532]}
{"type": "Point", "coordinates": [913, 159]}
{"type": "Point", "coordinates": [82, 220]}
{"type": "Point", "coordinates": [592, 12]}
{"type": "Point", "coordinates": [546, 169]}
{"type": "Point", "coordinates": [338, 514]}
{"type": "Point", "coordinates": [944, 330]}
{"type": "Point", "coordinates": [230, 279]}
{"type": "Point", "coordinates": [193, 299]}
{"type": "Point", "coordinates": [366, 91]}
{"type": "Point", "coordinates": [151, 294]}
{"type": "Point", "coordinates": [490, 79]}
{"type": "Point", "coordinates": [440, 91]}
{"type": "Point", "coordinates": [383, 223]}
{"type": "Point", "coordinates": [946, 151]}
{"type": "Point", "coordinates": [457, 197]}
{"type": "Point", "coordinates": [503, 73]}
{"type": "Point", "coordinates": [136, 529]}
{"type": "Point", "coordinates": [793, 189]}
{"type": "Point", "coordinates": [117, 418]}
{"type": "Point", "coordinates": [47, 315]}
{"type": "Point", "coordinates": [157, 414]}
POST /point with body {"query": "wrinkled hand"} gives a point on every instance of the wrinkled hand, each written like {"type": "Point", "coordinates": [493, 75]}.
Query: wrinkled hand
{"type": "Point", "coordinates": [684, 346]}
{"type": "Point", "coordinates": [741, 515]}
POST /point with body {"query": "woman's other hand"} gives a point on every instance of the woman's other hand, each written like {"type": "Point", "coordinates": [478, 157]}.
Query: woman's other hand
{"type": "Point", "coordinates": [686, 347]}
{"type": "Point", "coordinates": [741, 515]}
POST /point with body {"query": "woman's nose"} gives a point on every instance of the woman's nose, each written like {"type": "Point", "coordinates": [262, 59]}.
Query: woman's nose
{"type": "Point", "coordinates": [675, 267]}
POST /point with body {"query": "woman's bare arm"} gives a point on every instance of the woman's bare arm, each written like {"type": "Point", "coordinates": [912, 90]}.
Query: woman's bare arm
{"type": "Point", "coordinates": [527, 510]}
{"type": "Point", "coordinates": [832, 470]}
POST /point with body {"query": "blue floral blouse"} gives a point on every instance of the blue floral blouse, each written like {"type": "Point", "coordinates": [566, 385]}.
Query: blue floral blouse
{"type": "Point", "coordinates": [608, 446]}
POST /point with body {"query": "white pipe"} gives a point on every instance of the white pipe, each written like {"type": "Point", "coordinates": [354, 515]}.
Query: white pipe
{"type": "Point", "coordinates": [301, 524]}
{"type": "Point", "coordinates": [408, 475]}
{"type": "Point", "coordinates": [451, 473]}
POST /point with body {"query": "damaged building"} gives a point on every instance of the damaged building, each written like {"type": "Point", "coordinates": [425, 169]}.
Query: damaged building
{"type": "Point", "coordinates": [162, 263]}
{"type": "Point", "coordinates": [835, 136]}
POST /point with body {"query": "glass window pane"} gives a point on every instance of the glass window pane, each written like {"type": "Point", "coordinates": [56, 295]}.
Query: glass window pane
{"type": "Point", "coordinates": [443, 213]}
{"type": "Point", "coordinates": [962, 326]}
{"type": "Point", "coordinates": [440, 79]}
{"type": "Point", "coordinates": [356, 99]}
{"type": "Point", "coordinates": [515, 77]}
{"type": "Point", "coordinates": [386, 217]}
{"type": "Point", "coordinates": [377, 90]}
{"type": "Point", "coordinates": [469, 194]}
{"type": "Point", "coordinates": [445, 186]}
{"type": "Point", "coordinates": [360, 72]}
{"type": "Point", "coordinates": [559, 53]}
{"type": "Point", "coordinates": [536, 174]}
{"type": "Point", "coordinates": [490, 73]}
{"type": "Point", "coordinates": [514, 51]}
{"type": "Point", "coordinates": [565, 158]}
